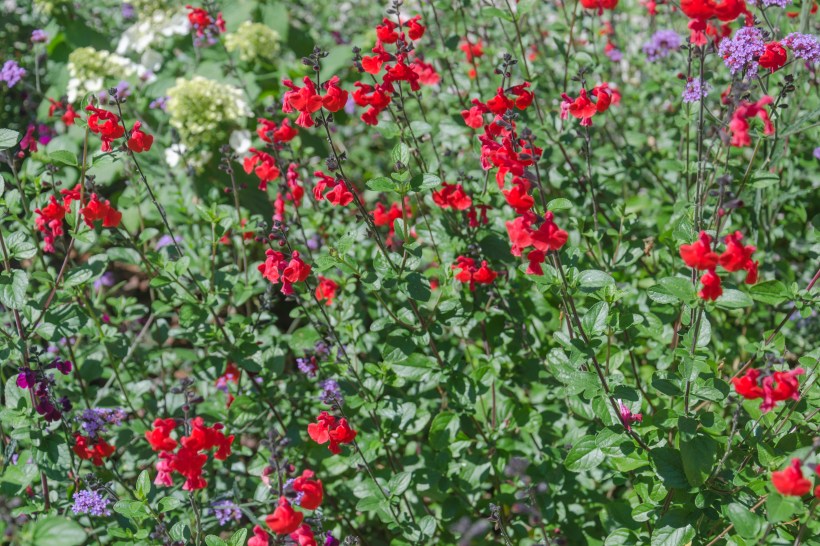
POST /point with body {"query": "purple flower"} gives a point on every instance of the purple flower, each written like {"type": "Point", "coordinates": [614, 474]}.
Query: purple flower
{"type": "Point", "coordinates": [64, 366]}
{"type": "Point", "coordinates": [91, 502]}
{"type": "Point", "coordinates": [159, 102]}
{"type": "Point", "coordinates": [615, 55]}
{"type": "Point", "coordinates": [315, 242]}
{"type": "Point", "coordinates": [11, 73]}
{"type": "Point", "coordinates": [26, 378]}
{"type": "Point", "coordinates": [817, 153]}
{"type": "Point", "coordinates": [350, 105]}
{"type": "Point", "coordinates": [307, 365]}
{"type": "Point", "coordinates": [804, 46]}
{"type": "Point", "coordinates": [661, 45]}
{"type": "Point", "coordinates": [742, 50]}
{"type": "Point", "coordinates": [165, 240]}
{"type": "Point", "coordinates": [39, 36]}
{"type": "Point", "coordinates": [769, 3]}
{"type": "Point", "coordinates": [225, 511]}
{"type": "Point", "coordinates": [122, 91]}
{"type": "Point", "coordinates": [128, 11]}
{"type": "Point", "coordinates": [321, 348]}
{"type": "Point", "coordinates": [695, 90]}
{"type": "Point", "coordinates": [107, 279]}
{"type": "Point", "coordinates": [298, 499]}
{"type": "Point", "coordinates": [330, 540]}
{"type": "Point", "coordinates": [330, 392]}
{"type": "Point", "coordinates": [95, 421]}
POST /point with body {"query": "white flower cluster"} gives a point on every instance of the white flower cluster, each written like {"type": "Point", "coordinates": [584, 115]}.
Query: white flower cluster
{"type": "Point", "coordinates": [254, 41]}
{"type": "Point", "coordinates": [151, 28]}
{"type": "Point", "coordinates": [203, 110]}
{"type": "Point", "coordinates": [93, 71]}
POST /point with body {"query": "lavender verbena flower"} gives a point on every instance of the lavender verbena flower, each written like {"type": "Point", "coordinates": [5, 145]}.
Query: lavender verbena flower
{"type": "Point", "coordinates": [225, 511]}
{"type": "Point", "coordinates": [128, 11]}
{"type": "Point", "coordinates": [330, 392]}
{"type": "Point", "coordinates": [315, 242]}
{"type": "Point", "coordinates": [769, 3]}
{"type": "Point", "coordinates": [107, 279]}
{"type": "Point", "coordinates": [122, 91]}
{"type": "Point", "coordinates": [298, 499]}
{"type": "Point", "coordinates": [95, 421]}
{"type": "Point", "coordinates": [817, 153]}
{"type": "Point", "coordinates": [165, 240]}
{"type": "Point", "coordinates": [307, 365]}
{"type": "Point", "coordinates": [615, 55]}
{"type": "Point", "coordinates": [11, 73]}
{"type": "Point", "coordinates": [91, 502]}
{"type": "Point", "coordinates": [661, 45]}
{"type": "Point", "coordinates": [742, 50]}
{"type": "Point", "coordinates": [159, 102]}
{"type": "Point", "coordinates": [39, 36]}
{"type": "Point", "coordinates": [321, 348]}
{"type": "Point", "coordinates": [695, 90]}
{"type": "Point", "coordinates": [804, 46]}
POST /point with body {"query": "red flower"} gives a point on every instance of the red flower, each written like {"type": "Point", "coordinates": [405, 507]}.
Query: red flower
{"type": "Point", "coordinates": [263, 166]}
{"type": "Point", "coordinates": [49, 221]}
{"type": "Point", "coordinates": [97, 452]}
{"type": "Point", "coordinates": [711, 286]}
{"type": "Point", "coordinates": [269, 132]}
{"type": "Point", "coordinates": [106, 124]}
{"type": "Point", "coordinates": [259, 538]}
{"type": "Point", "coordinates": [471, 274]}
{"type": "Point", "coordinates": [739, 124]}
{"type": "Point", "coordinates": [189, 462]}
{"type": "Point", "coordinates": [737, 257]}
{"type": "Point", "coordinates": [386, 32]}
{"type": "Point", "coordinates": [426, 72]}
{"type": "Point", "coordinates": [311, 490]}
{"type": "Point", "coordinates": [204, 438]}
{"type": "Point", "coordinates": [780, 386]}
{"type": "Point", "coordinates": [326, 290]}
{"type": "Point", "coordinates": [139, 141]}
{"type": "Point", "coordinates": [500, 103]}
{"type": "Point", "coordinates": [452, 196]}
{"type": "Point", "coordinates": [327, 429]}
{"type": "Point", "coordinates": [402, 72]}
{"type": "Point", "coordinates": [600, 5]}
{"type": "Point", "coordinates": [100, 210]}
{"type": "Point", "coordinates": [474, 117]}
{"type": "Point", "coordinates": [160, 436]}
{"type": "Point", "coordinates": [699, 254]}
{"type": "Point", "coordinates": [581, 108]}
{"type": "Point", "coordinates": [790, 481]}
{"type": "Point", "coordinates": [335, 97]}
{"type": "Point", "coordinates": [414, 29]}
{"type": "Point", "coordinates": [303, 536]}
{"type": "Point", "coordinates": [523, 97]}
{"type": "Point", "coordinates": [549, 236]}
{"type": "Point", "coordinates": [383, 216]}
{"type": "Point", "coordinates": [164, 469]}
{"type": "Point", "coordinates": [472, 50]}
{"type": "Point", "coordinates": [276, 268]}
{"type": "Point", "coordinates": [774, 58]}
{"type": "Point", "coordinates": [339, 196]}
{"type": "Point", "coordinates": [304, 100]}
{"type": "Point", "coordinates": [518, 197]}
{"type": "Point", "coordinates": [747, 386]}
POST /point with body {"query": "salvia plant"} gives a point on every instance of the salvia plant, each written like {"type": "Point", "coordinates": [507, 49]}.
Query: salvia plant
{"type": "Point", "coordinates": [464, 272]}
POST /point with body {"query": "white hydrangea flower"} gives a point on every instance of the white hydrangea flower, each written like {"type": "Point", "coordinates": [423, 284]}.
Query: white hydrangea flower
{"type": "Point", "coordinates": [90, 71]}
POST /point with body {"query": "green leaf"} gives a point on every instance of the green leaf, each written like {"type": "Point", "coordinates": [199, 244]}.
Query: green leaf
{"type": "Point", "coordinates": [13, 288]}
{"type": "Point", "coordinates": [401, 153]}
{"type": "Point", "coordinates": [698, 457]}
{"type": "Point", "coordinates": [673, 529]}
{"type": "Point", "coordinates": [399, 483]}
{"type": "Point", "coordinates": [559, 204]}
{"type": "Point", "coordinates": [143, 485]}
{"type": "Point", "coordinates": [733, 299]}
{"type": "Point", "coordinates": [427, 524]}
{"type": "Point", "coordinates": [382, 183]}
{"type": "Point", "coordinates": [213, 540]}
{"type": "Point", "coordinates": [63, 157]}
{"type": "Point", "coordinates": [443, 429]}
{"type": "Point", "coordinates": [593, 278]}
{"type": "Point", "coordinates": [584, 455]}
{"type": "Point", "coordinates": [8, 139]}
{"type": "Point", "coordinates": [56, 531]}
{"type": "Point", "coordinates": [426, 181]}
{"type": "Point", "coordinates": [238, 538]}
{"type": "Point", "coordinates": [167, 504]}
{"type": "Point", "coordinates": [594, 321]}
{"type": "Point", "coordinates": [747, 523]}
{"type": "Point", "coordinates": [671, 289]}
{"type": "Point", "coordinates": [780, 508]}
{"type": "Point", "coordinates": [19, 246]}
{"type": "Point", "coordinates": [771, 292]}
{"type": "Point", "coordinates": [668, 467]}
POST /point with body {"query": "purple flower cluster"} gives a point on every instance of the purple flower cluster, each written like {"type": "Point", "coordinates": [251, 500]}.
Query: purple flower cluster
{"type": "Point", "coordinates": [40, 385]}
{"type": "Point", "coordinates": [804, 46]}
{"type": "Point", "coordinates": [122, 91]}
{"type": "Point", "coordinates": [226, 511]}
{"type": "Point", "coordinates": [615, 55]}
{"type": "Point", "coordinates": [91, 502]}
{"type": "Point", "coordinates": [330, 392]}
{"type": "Point", "coordinates": [695, 90]}
{"type": "Point", "coordinates": [769, 3]}
{"type": "Point", "coordinates": [39, 36]}
{"type": "Point", "coordinates": [159, 102]}
{"type": "Point", "coordinates": [743, 50]}
{"type": "Point", "coordinates": [96, 420]}
{"type": "Point", "coordinates": [308, 365]}
{"type": "Point", "coordinates": [661, 45]}
{"type": "Point", "coordinates": [11, 73]}
{"type": "Point", "coordinates": [817, 153]}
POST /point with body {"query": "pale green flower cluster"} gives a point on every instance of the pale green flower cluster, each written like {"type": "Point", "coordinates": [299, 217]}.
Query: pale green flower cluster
{"type": "Point", "coordinates": [203, 110]}
{"type": "Point", "coordinates": [50, 7]}
{"type": "Point", "coordinates": [90, 71]}
{"type": "Point", "coordinates": [254, 41]}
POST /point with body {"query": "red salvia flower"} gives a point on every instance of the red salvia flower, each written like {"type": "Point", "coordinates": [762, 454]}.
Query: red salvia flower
{"type": "Point", "coordinates": [711, 286]}
{"type": "Point", "coordinates": [263, 166]}
{"type": "Point", "coordinates": [472, 275]}
{"type": "Point", "coordinates": [739, 124]}
{"type": "Point", "coordinates": [549, 236]}
{"type": "Point", "coordinates": [49, 222]}
{"type": "Point", "coordinates": [472, 49]}
{"type": "Point", "coordinates": [780, 386]}
{"type": "Point", "coordinates": [600, 5]}
{"type": "Point", "coordinates": [160, 436]}
{"type": "Point", "coordinates": [699, 254]}
{"type": "Point", "coordinates": [326, 290]}
{"type": "Point", "coordinates": [96, 452]}
{"type": "Point", "coordinates": [339, 196]}
{"type": "Point", "coordinates": [304, 100]}
{"type": "Point", "coordinates": [402, 72]}
{"type": "Point", "coordinates": [335, 97]}
{"type": "Point", "coordinates": [518, 197]}
{"type": "Point", "coordinates": [270, 132]}
{"type": "Point", "coordinates": [259, 538]}
{"type": "Point", "coordinates": [139, 141]}
{"type": "Point", "coordinates": [790, 481]}
{"type": "Point", "coordinates": [415, 30]}
{"type": "Point", "coordinates": [474, 117]}
{"type": "Point", "coordinates": [452, 196]}
{"type": "Point", "coordinates": [328, 429]}
{"type": "Point", "coordinates": [97, 210]}
{"type": "Point", "coordinates": [738, 257]}
{"type": "Point", "coordinates": [386, 32]}
{"type": "Point", "coordinates": [748, 386]}
{"type": "Point", "coordinates": [426, 72]}
{"type": "Point", "coordinates": [311, 490]}
{"type": "Point", "coordinates": [774, 58]}
{"type": "Point", "coordinates": [303, 536]}
{"type": "Point", "coordinates": [276, 269]}
{"type": "Point", "coordinates": [106, 124]}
